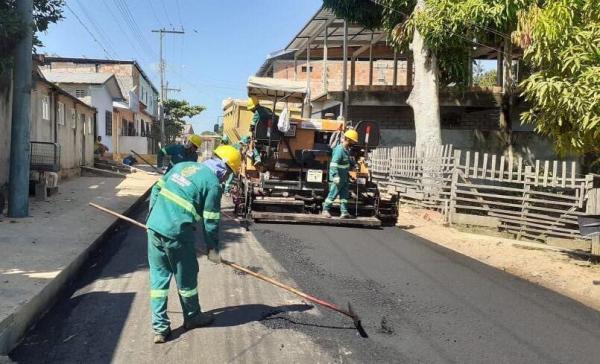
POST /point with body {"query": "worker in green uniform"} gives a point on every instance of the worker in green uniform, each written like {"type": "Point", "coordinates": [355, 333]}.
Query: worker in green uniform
{"type": "Point", "coordinates": [225, 139]}
{"type": "Point", "coordinates": [339, 169]}
{"type": "Point", "coordinates": [239, 146]}
{"type": "Point", "coordinates": [180, 153]}
{"type": "Point", "coordinates": [261, 113]}
{"type": "Point", "coordinates": [189, 194]}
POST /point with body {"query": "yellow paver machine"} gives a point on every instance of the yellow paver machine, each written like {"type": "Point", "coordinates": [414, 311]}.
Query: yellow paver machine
{"type": "Point", "coordinates": [284, 174]}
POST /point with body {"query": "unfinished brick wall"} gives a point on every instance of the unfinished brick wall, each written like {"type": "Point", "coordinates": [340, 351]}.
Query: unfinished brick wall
{"type": "Point", "coordinates": [383, 73]}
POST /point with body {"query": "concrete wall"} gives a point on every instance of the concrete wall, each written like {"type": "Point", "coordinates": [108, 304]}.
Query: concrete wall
{"type": "Point", "coordinates": [137, 143]}
{"type": "Point", "coordinates": [5, 122]}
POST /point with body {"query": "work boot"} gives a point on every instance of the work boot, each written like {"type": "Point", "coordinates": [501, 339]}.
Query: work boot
{"type": "Point", "coordinates": [201, 319]}
{"type": "Point", "coordinates": [326, 214]}
{"type": "Point", "coordinates": [214, 256]}
{"type": "Point", "coordinates": [161, 338]}
{"type": "Point", "coordinates": [345, 215]}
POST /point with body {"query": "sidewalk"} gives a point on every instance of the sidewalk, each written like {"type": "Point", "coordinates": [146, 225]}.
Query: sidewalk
{"type": "Point", "coordinates": [41, 253]}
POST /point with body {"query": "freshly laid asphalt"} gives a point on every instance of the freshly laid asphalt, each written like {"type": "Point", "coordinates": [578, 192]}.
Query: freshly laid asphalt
{"type": "Point", "coordinates": [419, 302]}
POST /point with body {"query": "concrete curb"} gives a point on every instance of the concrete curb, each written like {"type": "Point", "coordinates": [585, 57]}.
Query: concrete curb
{"type": "Point", "coordinates": [15, 326]}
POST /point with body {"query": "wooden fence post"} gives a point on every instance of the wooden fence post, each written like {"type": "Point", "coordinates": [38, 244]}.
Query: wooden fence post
{"type": "Point", "coordinates": [525, 202]}
{"type": "Point", "coordinates": [593, 208]}
{"type": "Point", "coordinates": [452, 209]}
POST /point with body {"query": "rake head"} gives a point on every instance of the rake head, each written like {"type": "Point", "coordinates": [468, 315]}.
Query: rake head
{"type": "Point", "coordinates": [357, 323]}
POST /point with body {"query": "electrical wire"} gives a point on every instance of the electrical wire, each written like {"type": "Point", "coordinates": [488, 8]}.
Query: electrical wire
{"type": "Point", "coordinates": [134, 45]}
{"type": "Point", "coordinates": [133, 26]}
{"type": "Point", "coordinates": [108, 55]}
{"type": "Point", "coordinates": [166, 12]}
{"type": "Point", "coordinates": [105, 38]}
{"type": "Point", "coordinates": [154, 13]}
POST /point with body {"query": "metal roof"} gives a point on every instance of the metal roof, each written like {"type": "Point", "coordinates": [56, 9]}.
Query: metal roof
{"type": "Point", "coordinates": [265, 87]}
{"type": "Point", "coordinates": [50, 59]}
{"type": "Point", "coordinates": [107, 79]}
{"type": "Point", "coordinates": [314, 29]}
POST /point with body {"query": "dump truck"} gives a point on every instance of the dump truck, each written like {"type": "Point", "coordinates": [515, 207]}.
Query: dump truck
{"type": "Point", "coordinates": [290, 183]}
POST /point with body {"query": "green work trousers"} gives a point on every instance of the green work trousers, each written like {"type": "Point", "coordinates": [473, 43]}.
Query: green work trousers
{"type": "Point", "coordinates": [168, 257]}
{"type": "Point", "coordinates": [335, 190]}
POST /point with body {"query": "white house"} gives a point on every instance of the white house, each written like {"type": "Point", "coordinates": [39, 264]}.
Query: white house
{"type": "Point", "coordinates": [95, 89]}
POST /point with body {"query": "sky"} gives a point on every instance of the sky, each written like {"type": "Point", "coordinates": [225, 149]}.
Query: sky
{"type": "Point", "coordinates": [224, 43]}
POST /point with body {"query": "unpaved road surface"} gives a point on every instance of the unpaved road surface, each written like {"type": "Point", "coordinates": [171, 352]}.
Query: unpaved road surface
{"type": "Point", "coordinates": [419, 302]}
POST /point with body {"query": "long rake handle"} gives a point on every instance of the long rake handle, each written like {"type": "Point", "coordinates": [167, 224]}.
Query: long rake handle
{"type": "Point", "coordinates": [242, 269]}
{"type": "Point", "coordinates": [148, 163]}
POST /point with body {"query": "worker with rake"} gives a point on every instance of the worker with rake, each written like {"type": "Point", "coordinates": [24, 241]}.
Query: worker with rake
{"type": "Point", "coordinates": [188, 194]}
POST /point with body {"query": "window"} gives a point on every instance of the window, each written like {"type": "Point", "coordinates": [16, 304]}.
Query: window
{"type": "Point", "coordinates": [82, 122]}
{"type": "Point", "coordinates": [73, 118]}
{"type": "Point", "coordinates": [61, 114]}
{"type": "Point", "coordinates": [80, 93]}
{"type": "Point", "coordinates": [88, 121]}
{"type": "Point", "coordinates": [45, 107]}
{"type": "Point", "coordinates": [108, 123]}
{"type": "Point", "coordinates": [305, 68]}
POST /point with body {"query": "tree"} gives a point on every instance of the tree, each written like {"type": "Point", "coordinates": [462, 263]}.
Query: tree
{"type": "Point", "coordinates": [45, 12]}
{"type": "Point", "coordinates": [485, 79]}
{"type": "Point", "coordinates": [176, 113]}
{"type": "Point", "coordinates": [393, 16]}
{"type": "Point", "coordinates": [561, 44]}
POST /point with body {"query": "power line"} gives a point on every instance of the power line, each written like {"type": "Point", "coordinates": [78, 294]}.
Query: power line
{"type": "Point", "coordinates": [89, 32]}
{"type": "Point", "coordinates": [166, 12]}
{"type": "Point", "coordinates": [124, 9]}
{"type": "Point", "coordinates": [154, 13]}
{"type": "Point", "coordinates": [134, 45]}
{"type": "Point", "coordinates": [179, 13]}
{"type": "Point", "coordinates": [105, 38]}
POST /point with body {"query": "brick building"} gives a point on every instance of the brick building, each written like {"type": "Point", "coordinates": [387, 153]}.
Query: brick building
{"type": "Point", "coordinates": [379, 81]}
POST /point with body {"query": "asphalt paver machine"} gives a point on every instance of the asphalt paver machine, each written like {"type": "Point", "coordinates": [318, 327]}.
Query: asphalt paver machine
{"type": "Point", "coordinates": [284, 174]}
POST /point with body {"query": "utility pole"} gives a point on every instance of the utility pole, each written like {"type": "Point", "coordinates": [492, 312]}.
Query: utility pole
{"type": "Point", "coordinates": [167, 89]}
{"type": "Point", "coordinates": [18, 185]}
{"type": "Point", "coordinates": [162, 33]}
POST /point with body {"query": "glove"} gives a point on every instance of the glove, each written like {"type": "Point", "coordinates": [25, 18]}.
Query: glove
{"type": "Point", "coordinates": [336, 180]}
{"type": "Point", "coordinates": [214, 256]}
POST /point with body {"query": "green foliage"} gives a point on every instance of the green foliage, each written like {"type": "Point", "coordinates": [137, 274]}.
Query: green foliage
{"type": "Point", "coordinates": [45, 12]}
{"type": "Point", "coordinates": [176, 113]}
{"type": "Point", "coordinates": [561, 41]}
{"type": "Point", "coordinates": [485, 79]}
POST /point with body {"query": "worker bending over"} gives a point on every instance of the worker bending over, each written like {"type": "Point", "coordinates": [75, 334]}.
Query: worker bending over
{"type": "Point", "coordinates": [186, 196]}
{"type": "Point", "coordinates": [181, 153]}
{"type": "Point", "coordinates": [339, 169]}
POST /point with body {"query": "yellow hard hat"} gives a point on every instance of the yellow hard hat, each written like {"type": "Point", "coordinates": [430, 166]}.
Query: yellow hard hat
{"type": "Point", "coordinates": [352, 135]}
{"type": "Point", "coordinates": [252, 103]}
{"type": "Point", "coordinates": [231, 156]}
{"type": "Point", "coordinates": [195, 140]}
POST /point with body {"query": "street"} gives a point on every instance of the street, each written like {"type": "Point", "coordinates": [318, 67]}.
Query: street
{"type": "Point", "coordinates": [419, 303]}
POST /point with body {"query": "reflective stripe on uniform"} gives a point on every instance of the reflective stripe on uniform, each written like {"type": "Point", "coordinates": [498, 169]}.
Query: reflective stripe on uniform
{"type": "Point", "coordinates": [188, 293]}
{"type": "Point", "coordinates": [159, 293]}
{"type": "Point", "coordinates": [328, 201]}
{"type": "Point", "coordinates": [209, 215]}
{"type": "Point", "coordinates": [343, 201]}
{"type": "Point", "coordinates": [186, 205]}
{"type": "Point", "coordinates": [160, 183]}
{"type": "Point", "coordinates": [164, 151]}
{"type": "Point", "coordinates": [340, 166]}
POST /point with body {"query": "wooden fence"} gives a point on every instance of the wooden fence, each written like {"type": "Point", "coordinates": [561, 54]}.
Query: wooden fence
{"type": "Point", "coordinates": [537, 201]}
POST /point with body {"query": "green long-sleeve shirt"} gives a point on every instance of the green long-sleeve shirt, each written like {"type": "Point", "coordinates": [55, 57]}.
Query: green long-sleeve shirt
{"type": "Point", "coordinates": [189, 194]}
{"type": "Point", "coordinates": [178, 153]}
{"type": "Point", "coordinates": [340, 164]}
{"type": "Point", "coordinates": [260, 114]}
